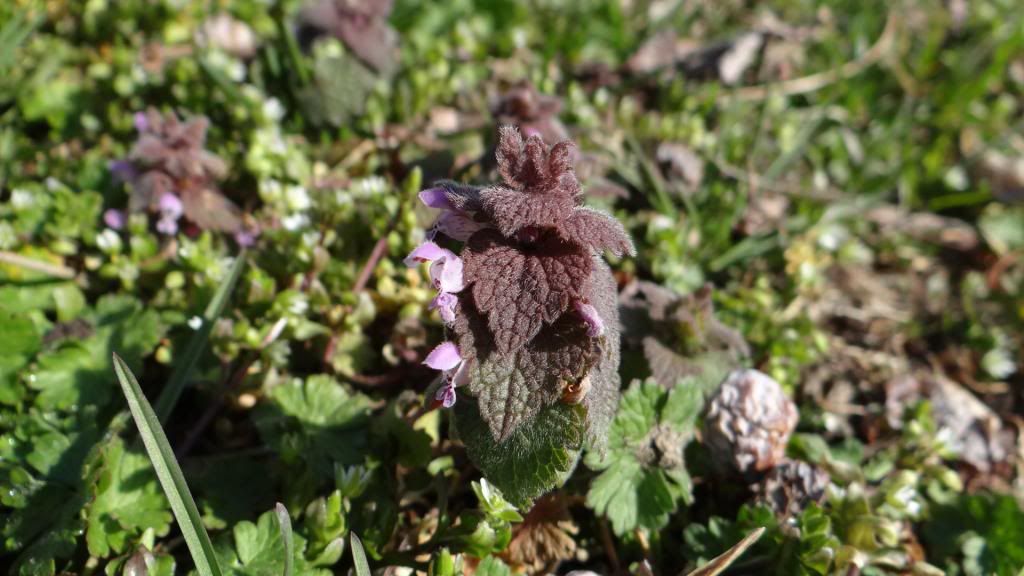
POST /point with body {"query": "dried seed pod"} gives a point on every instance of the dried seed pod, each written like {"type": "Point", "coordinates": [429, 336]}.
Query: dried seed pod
{"type": "Point", "coordinates": [791, 486]}
{"type": "Point", "coordinates": [748, 423]}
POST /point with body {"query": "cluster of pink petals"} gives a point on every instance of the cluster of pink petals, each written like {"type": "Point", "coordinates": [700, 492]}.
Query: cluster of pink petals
{"type": "Point", "coordinates": [446, 276]}
{"type": "Point", "coordinates": [171, 210]}
{"type": "Point", "coordinates": [447, 359]}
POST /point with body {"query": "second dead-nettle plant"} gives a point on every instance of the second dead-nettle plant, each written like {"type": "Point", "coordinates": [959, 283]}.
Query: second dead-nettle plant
{"type": "Point", "coordinates": [530, 307]}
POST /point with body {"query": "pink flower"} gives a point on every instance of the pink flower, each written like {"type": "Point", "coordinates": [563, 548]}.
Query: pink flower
{"type": "Point", "coordinates": [141, 121]}
{"type": "Point", "coordinates": [246, 238]}
{"type": "Point", "coordinates": [445, 303]}
{"type": "Point", "coordinates": [170, 206]}
{"type": "Point", "coordinates": [114, 219]}
{"type": "Point", "coordinates": [595, 325]}
{"type": "Point", "coordinates": [445, 357]}
{"type": "Point", "coordinates": [446, 273]}
{"type": "Point", "coordinates": [445, 266]}
{"type": "Point", "coordinates": [426, 252]}
{"type": "Point", "coordinates": [457, 225]}
{"type": "Point", "coordinates": [167, 226]}
{"type": "Point", "coordinates": [446, 394]}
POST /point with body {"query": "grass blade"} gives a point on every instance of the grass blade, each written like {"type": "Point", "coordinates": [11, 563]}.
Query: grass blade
{"type": "Point", "coordinates": [184, 369]}
{"type": "Point", "coordinates": [168, 472]}
{"type": "Point", "coordinates": [359, 557]}
{"type": "Point", "coordinates": [720, 563]}
{"type": "Point", "coordinates": [285, 522]}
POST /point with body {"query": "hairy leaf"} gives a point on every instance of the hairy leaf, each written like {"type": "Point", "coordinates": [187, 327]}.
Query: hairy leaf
{"type": "Point", "coordinates": [596, 231]}
{"type": "Point", "coordinates": [519, 291]}
{"type": "Point", "coordinates": [533, 459]}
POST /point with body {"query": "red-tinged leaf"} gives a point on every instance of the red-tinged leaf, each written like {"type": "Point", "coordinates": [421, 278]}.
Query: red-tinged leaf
{"type": "Point", "coordinates": [596, 230]}
{"type": "Point", "coordinates": [520, 290]}
{"type": "Point", "coordinates": [513, 211]}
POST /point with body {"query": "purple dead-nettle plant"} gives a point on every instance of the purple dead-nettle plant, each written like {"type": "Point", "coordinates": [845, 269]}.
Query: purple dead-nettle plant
{"type": "Point", "coordinates": [529, 303]}
{"type": "Point", "coordinates": [172, 176]}
{"type": "Point", "coordinates": [362, 25]}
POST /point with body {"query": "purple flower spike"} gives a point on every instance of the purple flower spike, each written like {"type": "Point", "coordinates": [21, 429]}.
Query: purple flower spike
{"type": "Point", "coordinates": [426, 252]}
{"type": "Point", "coordinates": [446, 273]}
{"type": "Point", "coordinates": [436, 198]}
{"type": "Point", "coordinates": [595, 326]}
{"type": "Point", "coordinates": [445, 305]}
{"type": "Point", "coordinates": [457, 225]}
{"type": "Point", "coordinates": [141, 121]}
{"type": "Point", "coordinates": [170, 206]}
{"type": "Point", "coordinates": [114, 219]}
{"type": "Point", "coordinates": [446, 395]}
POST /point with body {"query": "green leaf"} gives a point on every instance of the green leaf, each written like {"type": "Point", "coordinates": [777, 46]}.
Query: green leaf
{"type": "Point", "coordinates": [982, 532]}
{"type": "Point", "coordinates": [316, 421]}
{"type": "Point", "coordinates": [535, 459]}
{"type": "Point", "coordinates": [77, 372]}
{"type": "Point", "coordinates": [127, 502]}
{"type": "Point", "coordinates": [643, 477]}
{"type": "Point", "coordinates": [169, 473]}
{"type": "Point", "coordinates": [260, 549]}
{"type": "Point", "coordinates": [185, 366]}
{"type": "Point", "coordinates": [492, 566]}
{"type": "Point", "coordinates": [359, 557]}
{"type": "Point", "coordinates": [285, 523]}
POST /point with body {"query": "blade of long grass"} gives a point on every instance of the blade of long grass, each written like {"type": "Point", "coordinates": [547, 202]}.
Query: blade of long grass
{"type": "Point", "coordinates": [359, 557]}
{"type": "Point", "coordinates": [184, 368]}
{"type": "Point", "coordinates": [168, 472]}
{"type": "Point", "coordinates": [720, 563]}
{"type": "Point", "coordinates": [285, 522]}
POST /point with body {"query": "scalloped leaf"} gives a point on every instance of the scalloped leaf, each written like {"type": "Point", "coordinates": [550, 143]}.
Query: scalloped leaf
{"type": "Point", "coordinates": [534, 459]}
{"type": "Point", "coordinates": [597, 231]}
{"type": "Point", "coordinates": [519, 291]}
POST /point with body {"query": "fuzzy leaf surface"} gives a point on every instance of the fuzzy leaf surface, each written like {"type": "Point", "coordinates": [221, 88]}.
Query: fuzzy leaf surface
{"type": "Point", "coordinates": [519, 291]}
{"type": "Point", "coordinates": [531, 461]}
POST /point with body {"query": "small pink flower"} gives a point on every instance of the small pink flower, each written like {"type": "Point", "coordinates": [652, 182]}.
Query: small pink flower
{"type": "Point", "coordinates": [457, 225]}
{"type": "Point", "coordinates": [455, 376]}
{"type": "Point", "coordinates": [167, 226]}
{"type": "Point", "coordinates": [445, 303]}
{"type": "Point", "coordinates": [445, 357]}
{"type": "Point", "coordinates": [114, 219]}
{"type": "Point", "coordinates": [170, 206]}
{"type": "Point", "coordinates": [446, 273]}
{"type": "Point", "coordinates": [446, 394]}
{"type": "Point", "coordinates": [426, 252]}
{"type": "Point", "coordinates": [436, 198]}
{"type": "Point", "coordinates": [141, 121]}
{"type": "Point", "coordinates": [595, 325]}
